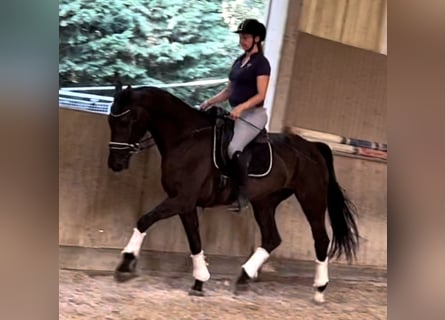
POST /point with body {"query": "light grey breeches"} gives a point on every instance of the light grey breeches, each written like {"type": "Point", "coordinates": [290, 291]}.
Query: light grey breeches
{"type": "Point", "coordinates": [243, 132]}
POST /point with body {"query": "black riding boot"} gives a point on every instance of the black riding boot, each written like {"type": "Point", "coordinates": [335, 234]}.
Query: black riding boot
{"type": "Point", "coordinates": [240, 176]}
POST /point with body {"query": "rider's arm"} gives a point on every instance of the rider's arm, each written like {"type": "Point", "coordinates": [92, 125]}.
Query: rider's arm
{"type": "Point", "coordinates": [221, 96]}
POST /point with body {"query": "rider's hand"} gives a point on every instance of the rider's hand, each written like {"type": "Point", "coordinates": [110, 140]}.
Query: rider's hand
{"type": "Point", "coordinates": [236, 112]}
{"type": "Point", "coordinates": [205, 105]}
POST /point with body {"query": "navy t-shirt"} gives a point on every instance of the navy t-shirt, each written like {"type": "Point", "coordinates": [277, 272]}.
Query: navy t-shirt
{"type": "Point", "coordinates": [243, 79]}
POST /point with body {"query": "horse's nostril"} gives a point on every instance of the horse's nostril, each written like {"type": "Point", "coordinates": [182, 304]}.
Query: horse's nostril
{"type": "Point", "coordinates": [115, 166]}
{"type": "Point", "coordinates": [118, 168]}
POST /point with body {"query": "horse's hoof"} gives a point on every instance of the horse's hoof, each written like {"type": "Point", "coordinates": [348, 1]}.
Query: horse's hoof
{"type": "Point", "coordinates": [196, 293]}
{"type": "Point", "coordinates": [319, 294]}
{"type": "Point", "coordinates": [241, 288]}
{"type": "Point", "coordinates": [124, 276]}
{"type": "Point", "coordinates": [319, 297]}
{"type": "Point", "coordinates": [243, 279]}
{"type": "Point", "coordinates": [126, 269]}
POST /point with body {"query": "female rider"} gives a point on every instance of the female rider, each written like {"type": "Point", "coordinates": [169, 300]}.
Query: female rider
{"type": "Point", "coordinates": [246, 91]}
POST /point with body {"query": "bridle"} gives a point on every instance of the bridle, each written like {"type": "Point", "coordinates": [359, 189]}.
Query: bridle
{"type": "Point", "coordinates": [146, 142]}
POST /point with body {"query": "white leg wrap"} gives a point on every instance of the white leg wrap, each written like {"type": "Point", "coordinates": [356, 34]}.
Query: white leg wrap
{"type": "Point", "coordinates": [321, 273]}
{"type": "Point", "coordinates": [135, 243]}
{"type": "Point", "coordinates": [200, 271]}
{"type": "Point", "coordinates": [255, 262]}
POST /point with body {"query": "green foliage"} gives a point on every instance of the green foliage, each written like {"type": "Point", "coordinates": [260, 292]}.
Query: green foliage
{"type": "Point", "coordinates": [151, 41]}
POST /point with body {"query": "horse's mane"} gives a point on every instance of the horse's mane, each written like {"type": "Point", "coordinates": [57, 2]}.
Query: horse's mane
{"type": "Point", "coordinates": [160, 100]}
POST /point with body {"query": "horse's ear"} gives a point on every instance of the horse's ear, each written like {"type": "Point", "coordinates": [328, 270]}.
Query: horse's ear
{"type": "Point", "coordinates": [117, 86]}
{"type": "Point", "coordinates": [117, 83]}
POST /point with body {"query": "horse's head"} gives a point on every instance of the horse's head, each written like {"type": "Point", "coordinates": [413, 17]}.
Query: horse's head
{"type": "Point", "coordinates": [128, 124]}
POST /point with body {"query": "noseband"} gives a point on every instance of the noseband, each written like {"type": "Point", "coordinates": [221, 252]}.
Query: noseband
{"type": "Point", "coordinates": [144, 143]}
{"type": "Point", "coordinates": [130, 147]}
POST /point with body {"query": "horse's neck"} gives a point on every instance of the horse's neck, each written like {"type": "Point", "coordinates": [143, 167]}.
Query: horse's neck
{"type": "Point", "coordinates": [170, 125]}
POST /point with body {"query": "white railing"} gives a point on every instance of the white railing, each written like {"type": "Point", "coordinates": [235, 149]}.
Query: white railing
{"type": "Point", "coordinates": [85, 102]}
{"type": "Point", "coordinates": [198, 83]}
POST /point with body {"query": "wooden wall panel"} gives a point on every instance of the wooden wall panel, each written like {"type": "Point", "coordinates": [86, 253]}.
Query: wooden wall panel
{"type": "Point", "coordinates": [359, 23]}
{"type": "Point", "coordinates": [338, 89]}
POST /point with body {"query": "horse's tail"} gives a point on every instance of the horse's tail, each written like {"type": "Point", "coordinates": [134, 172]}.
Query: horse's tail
{"type": "Point", "coordinates": [345, 239]}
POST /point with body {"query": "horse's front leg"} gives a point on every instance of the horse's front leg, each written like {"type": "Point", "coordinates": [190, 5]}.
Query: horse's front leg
{"type": "Point", "coordinates": [127, 267]}
{"type": "Point", "coordinates": [200, 272]}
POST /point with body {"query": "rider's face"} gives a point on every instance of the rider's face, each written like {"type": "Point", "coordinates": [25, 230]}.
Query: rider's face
{"type": "Point", "coordinates": [245, 41]}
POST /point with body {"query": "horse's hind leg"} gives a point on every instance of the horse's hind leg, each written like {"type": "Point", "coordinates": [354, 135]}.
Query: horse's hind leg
{"type": "Point", "coordinates": [264, 211]}
{"type": "Point", "coordinates": [314, 207]}
{"type": "Point", "coordinates": [200, 272]}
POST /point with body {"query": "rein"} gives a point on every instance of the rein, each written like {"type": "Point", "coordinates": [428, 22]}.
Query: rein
{"type": "Point", "coordinates": [226, 114]}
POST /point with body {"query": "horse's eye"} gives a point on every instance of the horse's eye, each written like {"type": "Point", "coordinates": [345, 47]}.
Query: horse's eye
{"type": "Point", "coordinates": [126, 118]}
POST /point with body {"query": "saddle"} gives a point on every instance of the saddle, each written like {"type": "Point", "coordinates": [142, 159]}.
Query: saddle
{"type": "Point", "coordinates": [258, 151]}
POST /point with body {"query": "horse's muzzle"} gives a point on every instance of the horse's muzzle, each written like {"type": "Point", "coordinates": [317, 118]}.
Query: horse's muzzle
{"type": "Point", "coordinates": [117, 167]}
{"type": "Point", "coordinates": [118, 162]}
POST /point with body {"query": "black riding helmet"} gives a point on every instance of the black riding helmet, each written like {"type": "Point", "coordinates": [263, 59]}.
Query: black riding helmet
{"type": "Point", "coordinates": [252, 27]}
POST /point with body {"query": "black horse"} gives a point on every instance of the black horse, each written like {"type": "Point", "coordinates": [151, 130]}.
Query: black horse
{"type": "Point", "coordinates": [184, 137]}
